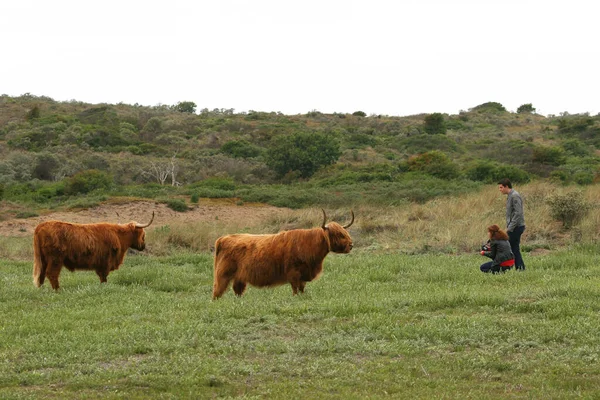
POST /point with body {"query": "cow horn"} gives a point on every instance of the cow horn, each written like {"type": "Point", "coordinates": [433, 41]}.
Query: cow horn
{"type": "Point", "coordinates": [324, 219]}
{"type": "Point", "coordinates": [348, 226]}
{"type": "Point", "coordinates": [148, 224]}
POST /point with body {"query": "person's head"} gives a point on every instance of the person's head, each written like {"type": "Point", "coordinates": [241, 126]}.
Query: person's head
{"type": "Point", "coordinates": [496, 233]}
{"type": "Point", "coordinates": [504, 186]}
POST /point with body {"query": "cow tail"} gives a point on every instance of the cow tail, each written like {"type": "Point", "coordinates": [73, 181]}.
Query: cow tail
{"type": "Point", "coordinates": [39, 267]}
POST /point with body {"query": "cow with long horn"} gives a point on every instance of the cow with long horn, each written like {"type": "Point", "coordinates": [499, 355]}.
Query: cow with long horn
{"type": "Point", "coordinates": [100, 247]}
{"type": "Point", "coordinates": [295, 257]}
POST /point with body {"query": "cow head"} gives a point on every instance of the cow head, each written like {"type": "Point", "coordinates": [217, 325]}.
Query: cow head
{"type": "Point", "coordinates": [139, 235]}
{"type": "Point", "coordinates": [339, 239]}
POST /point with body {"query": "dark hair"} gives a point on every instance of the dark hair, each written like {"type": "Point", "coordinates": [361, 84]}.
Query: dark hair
{"type": "Point", "coordinates": [497, 233]}
{"type": "Point", "coordinates": [505, 182]}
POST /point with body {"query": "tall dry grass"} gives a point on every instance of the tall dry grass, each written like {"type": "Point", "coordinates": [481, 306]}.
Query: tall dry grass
{"type": "Point", "coordinates": [454, 224]}
{"type": "Point", "coordinates": [450, 225]}
{"type": "Point", "coordinates": [458, 224]}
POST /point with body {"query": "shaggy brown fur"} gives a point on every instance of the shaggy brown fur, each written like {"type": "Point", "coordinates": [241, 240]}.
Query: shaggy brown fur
{"type": "Point", "coordinates": [100, 247]}
{"type": "Point", "coordinates": [294, 257]}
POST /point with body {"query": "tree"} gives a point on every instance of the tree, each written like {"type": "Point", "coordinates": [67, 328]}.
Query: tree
{"type": "Point", "coordinates": [185, 107]}
{"type": "Point", "coordinates": [303, 153]}
{"type": "Point", "coordinates": [526, 109]}
{"type": "Point", "coordinates": [435, 124]}
{"type": "Point", "coordinates": [359, 114]}
{"type": "Point", "coordinates": [161, 171]}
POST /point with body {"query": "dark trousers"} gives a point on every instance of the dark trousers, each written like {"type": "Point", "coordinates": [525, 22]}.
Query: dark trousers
{"type": "Point", "coordinates": [514, 238]}
{"type": "Point", "coordinates": [487, 267]}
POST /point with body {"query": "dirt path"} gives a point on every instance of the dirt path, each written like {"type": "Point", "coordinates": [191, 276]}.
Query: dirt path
{"type": "Point", "coordinates": [141, 211]}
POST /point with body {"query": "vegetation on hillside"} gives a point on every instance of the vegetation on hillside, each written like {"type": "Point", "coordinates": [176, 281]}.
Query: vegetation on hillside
{"type": "Point", "coordinates": [51, 151]}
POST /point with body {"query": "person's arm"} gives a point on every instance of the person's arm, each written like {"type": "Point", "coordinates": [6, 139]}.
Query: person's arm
{"type": "Point", "coordinates": [492, 253]}
{"type": "Point", "coordinates": [516, 212]}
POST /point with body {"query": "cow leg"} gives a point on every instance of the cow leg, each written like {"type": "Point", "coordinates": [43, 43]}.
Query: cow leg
{"type": "Point", "coordinates": [52, 272]}
{"type": "Point", "coordinates": [102, 274]}
{"type": "Point", "coordinates": [294, 280]}
{"type": "Point", "coordinates": [220, 286]}
{"type": "Point", "coordinates": [301, 286]}
{"type": "Point", "coordinates": [239, 287]}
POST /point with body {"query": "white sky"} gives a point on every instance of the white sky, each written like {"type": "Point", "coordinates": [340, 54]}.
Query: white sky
{"type": "Point", "coordinates": [391, 57]}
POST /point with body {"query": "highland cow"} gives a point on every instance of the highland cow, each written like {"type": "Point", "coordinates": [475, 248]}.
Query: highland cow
{"type": "Point", "coordinates": [295, 257]}
{"type": "Point", "coordinates": [100, 247]}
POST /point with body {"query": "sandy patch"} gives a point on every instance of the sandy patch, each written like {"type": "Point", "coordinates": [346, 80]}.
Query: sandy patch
{"type": "Point", "coordinates": [141, 211]}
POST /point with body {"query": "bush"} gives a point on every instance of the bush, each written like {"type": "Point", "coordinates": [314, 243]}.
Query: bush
{"type": "Point", "coordinates": [360, 140]}
{"type": "Point", "coordinates": [576, 147]}
{"type": "Point", "coordinates": [49, 191]}
{"type": "Point", "coordinates": [302, 152]}
{"type": "Point", "coordinates": [434, 163]}
{"type": "Point", "coordinates": [491, 172]}
{"type": "Point", "coordinates": [176, 205]}
{"type": "Point", "coordinates": [215, 183]}
{"type": "Point", "coordinates": [549, 155]}
{"type": "Point", "coordinates": [569, 208]}
{"type": "Point", "coordinates": [240, 149]}
{"type": "Point", "coordinates": [422, 143]}
{"type": "Point", "coordinates": [87, 181]}
{"type": "Point", "coordinates": [434, 124]}
{"type": "Point", "coordinates": [26, 214]}
{"type": "Point", "coordinates": [1, 190]}
{"type": "Point", "coordinates": [526, 109]}
{"type": "Point", "coordinates": [489, 107]}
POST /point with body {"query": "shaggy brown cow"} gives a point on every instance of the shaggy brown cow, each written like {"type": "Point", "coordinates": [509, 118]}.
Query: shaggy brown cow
{"type": "Point", "coordinates": [100, 247]}
{"type": "Point", "coordinates": [295, 256]}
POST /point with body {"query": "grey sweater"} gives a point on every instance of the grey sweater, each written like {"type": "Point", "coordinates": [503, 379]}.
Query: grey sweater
{"type": "Point", "coordinates": [499, 252]}
{"type": "Point", "coordinates": [514, 211]}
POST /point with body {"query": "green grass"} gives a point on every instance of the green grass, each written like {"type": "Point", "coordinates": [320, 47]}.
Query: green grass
{"type": "Point", "coordinates": [374, 326]}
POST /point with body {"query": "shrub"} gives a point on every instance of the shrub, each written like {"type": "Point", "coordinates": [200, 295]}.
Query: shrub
{"type": "Point", "coordinates": [434, 124]}
{"type": "Point", "coordinates": [176, 205]}
{"type": "Point", "coordinates": [576, 147]}
{"type": "Point", "coordinates": [302, 152]}
{"type": "Point", "coordinates": [240, 149]}
{"type": "Point", "coordinates": [575, 124]}
{"type": "Point", "coordinates": [34, 113]}
{"type": "Point", "coordinates": [87, 181]}
{"type": "Point", "coordinates": [185, 107]}
{"type": "Point", "coordinates": [195, 198]}
{"type": "Point", "coordinates": [359, 114]}
{"type": "Point", "coordinates": [434, 163]}
{"type": "Point", "coordinates": [360, 140]}
{"type": "Point", "coordinates": [489, 107]}
{"type": "Point", "coordinates": [491, 171]}
{"type": "Point", "coordinates": [421, 143]}
{"type": "Point", "coordinates": [26, 214]}
{"type": "Point", "coordinates": [215, 183]}
{"type": "Point", "coordinates": [48, 192]}
{"type": "Point", "coordinates": [526, 109]}
{"type": "Point", "coordinates": [549, 155]}
{"type": "Point", "coordinates": [569, 208]}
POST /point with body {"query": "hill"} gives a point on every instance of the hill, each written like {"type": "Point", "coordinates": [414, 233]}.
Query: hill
{"type": "Point", "coordinates": [56, 154]}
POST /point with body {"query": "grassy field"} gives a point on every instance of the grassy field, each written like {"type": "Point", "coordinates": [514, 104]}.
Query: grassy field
{"type": "Point", "coordinates": [376, 325]}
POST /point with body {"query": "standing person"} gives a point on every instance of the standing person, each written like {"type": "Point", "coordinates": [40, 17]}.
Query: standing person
{"type": "Point", "coordinates": [498, 249]}
{"type": "Point", "coordinates": [515, 220]}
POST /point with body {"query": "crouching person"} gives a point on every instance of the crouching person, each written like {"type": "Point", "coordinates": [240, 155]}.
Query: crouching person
{"type": "Point", "coordinates": [498, 249]}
